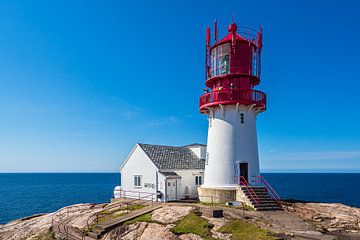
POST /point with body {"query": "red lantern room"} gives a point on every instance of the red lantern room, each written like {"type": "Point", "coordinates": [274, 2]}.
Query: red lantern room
{"type": "Point", "coordinates": [233, 69]}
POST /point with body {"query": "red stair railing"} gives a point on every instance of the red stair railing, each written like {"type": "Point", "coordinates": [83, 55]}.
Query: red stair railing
{"type": "Point", "coordinates": [243, 182]}
{"type": "Point", "coordinates": [262, 181]}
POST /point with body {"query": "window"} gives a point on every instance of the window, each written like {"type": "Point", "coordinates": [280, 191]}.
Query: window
{"type": "Point", "coordinates": [255, 62]}
{"type": "Point", "coordinates": [220, 60]}
{"type": "Point", "coordinates": [137, 181]}
{"type": "Point", "coordinates": [242, 118]}
{"type": "Point", "coordinates": [198, 180]}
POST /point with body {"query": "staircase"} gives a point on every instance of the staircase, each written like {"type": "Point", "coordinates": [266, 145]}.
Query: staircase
{"type": "Point", "coordinates": [260, 198]}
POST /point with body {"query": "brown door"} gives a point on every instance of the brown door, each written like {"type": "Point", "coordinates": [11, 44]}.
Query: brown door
{"type": "Point", "coordinates": [244, 171]}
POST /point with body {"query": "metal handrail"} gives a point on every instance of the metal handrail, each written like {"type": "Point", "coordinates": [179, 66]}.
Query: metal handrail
{"type": "Point", "coordinates": [244, 182]}
{"type": "Point", "coordinates": [66, 227]}
{"type": "Point", "coordinates": [271, 191]}
{"type": "Point", "coordinates": [230, 96]}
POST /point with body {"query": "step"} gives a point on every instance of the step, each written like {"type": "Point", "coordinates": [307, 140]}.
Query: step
{"type": "Point", "coordinates": [263, 201]}
{"type": "Point", "coordinates": [268, 208]}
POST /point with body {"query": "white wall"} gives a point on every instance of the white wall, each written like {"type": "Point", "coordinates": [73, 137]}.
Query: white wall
{"type": "Point", "coordinates": [230, 141]}
{"type": "Point", "coordinates": [138, 163]}
{"type": "Point", "coordinates": [200, 151]}
{"type": "Point", "coordinates": [187, 184]}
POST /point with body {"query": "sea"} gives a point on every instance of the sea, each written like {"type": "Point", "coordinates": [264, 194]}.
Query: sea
{"type": "Point", "coordinates": [25, 194]}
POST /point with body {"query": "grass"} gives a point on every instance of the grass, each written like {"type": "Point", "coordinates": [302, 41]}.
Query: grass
{"type": "Point", "coordinates": [106, 215]}
{"type": "Point", "coordinates": [244, 230]}
{"type": "Point", "coordinates": [194, 224]}
{"type": "Point", "coordinates": [143, 218]}
{"type": "Point", "coordinates": [247, 207]}
{"type": "Point", "coordinates": [130, 208]}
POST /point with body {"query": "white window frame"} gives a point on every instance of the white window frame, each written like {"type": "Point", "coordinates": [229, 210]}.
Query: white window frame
{"type": "Point", "coordinates": [137, 181]}
{"type": "Point", "coordinates": [198, 180]}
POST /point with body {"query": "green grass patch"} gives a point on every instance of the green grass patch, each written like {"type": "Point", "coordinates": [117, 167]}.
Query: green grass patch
{"type": "Point", "coordinates": [194, 224]}
{"type": "Point", "coordinates": [244, 230]}
{"type": "Point", "coordinates": [143, 218]}
{"type": "Point", "coordinates": [130, 208]}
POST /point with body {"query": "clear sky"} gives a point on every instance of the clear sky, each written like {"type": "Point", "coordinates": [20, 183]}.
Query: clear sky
{"type": "Point", "coordinates": [82, 81]}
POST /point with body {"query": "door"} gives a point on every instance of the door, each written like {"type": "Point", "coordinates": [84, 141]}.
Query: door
{"type": "Point", "coordinates": [171, 189]}
{"type": "Point", "coordinates": [244, 171]}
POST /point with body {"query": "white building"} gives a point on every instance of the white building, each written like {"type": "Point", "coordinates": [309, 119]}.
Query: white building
{"type": "Point", "coordinates": [172, 173]}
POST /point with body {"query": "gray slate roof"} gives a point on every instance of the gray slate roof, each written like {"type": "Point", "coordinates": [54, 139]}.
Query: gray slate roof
{"type": "Point", "coordinates": [169, 157]}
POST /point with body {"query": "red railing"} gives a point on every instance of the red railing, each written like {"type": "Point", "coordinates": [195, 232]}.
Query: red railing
{"type": "Point", "coordinates": [233, 96]}
{"type": "Point", "coordinates": [242, 181]}
{"type": "Point", "coordinates": [262, 182]}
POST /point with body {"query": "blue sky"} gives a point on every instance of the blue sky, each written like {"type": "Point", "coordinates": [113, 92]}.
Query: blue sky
{"type": "Point", "coordinates": [82, 81]}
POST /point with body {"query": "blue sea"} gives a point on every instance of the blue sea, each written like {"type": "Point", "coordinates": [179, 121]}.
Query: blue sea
{"type": "Point", "coordinates": [25, 194]}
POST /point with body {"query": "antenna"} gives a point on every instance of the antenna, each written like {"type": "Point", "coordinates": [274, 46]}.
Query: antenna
{"type": "Point", "coordinates": [215, 30]}
{"type": "Point", "coordinates": [207, 36]}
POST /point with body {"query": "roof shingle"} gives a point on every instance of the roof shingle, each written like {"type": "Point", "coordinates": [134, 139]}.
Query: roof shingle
{"type": "Point", "coordinates": [169, 157]}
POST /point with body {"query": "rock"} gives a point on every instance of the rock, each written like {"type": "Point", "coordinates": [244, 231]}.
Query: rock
{"type": "Point", "coordinates": [130, 232]}
{"type": "Point", "coordinates": [32, 227]}
{"type": "Point", "coordinates": [218, 223]}
{"type": "Point", "coordinates": [190, 236]}
{"type": "Point", "coordinates": [156, 231]}
{"type": "Point", "coordinates": [170, 214]}
{"type": "Point", "coordinates": [28, 228]}
{"type": "Point", "coordinates": [332, 216]}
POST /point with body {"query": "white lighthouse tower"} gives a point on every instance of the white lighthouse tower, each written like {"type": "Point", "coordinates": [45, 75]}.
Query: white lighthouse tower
{"type": "Point", "coordinates": [232, 106]}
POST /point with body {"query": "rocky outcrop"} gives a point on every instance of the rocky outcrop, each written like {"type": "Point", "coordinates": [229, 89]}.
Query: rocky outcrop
{"type": "Point", "coordinates": [332, 219]}
{"type": "Point", "coordinates": [171, 214]}
{"type": "Point", "coordinates": [190, 236]}
{"type": "Point", "coordinates": [130, 232]}
{"type": "Point", "coordinates": [218, 223]}
{"type": "Point", "coordinates": [156, 231]}
{"type": "Point", "coordinates": [34, 226]}
{"type": "Point", "coordinates": [26, 228]}
{"type": "Point", "coordinates": [329, 216]}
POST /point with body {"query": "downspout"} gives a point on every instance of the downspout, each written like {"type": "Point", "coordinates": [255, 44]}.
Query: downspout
{"type": "Point", "coordinates": [156, 186]}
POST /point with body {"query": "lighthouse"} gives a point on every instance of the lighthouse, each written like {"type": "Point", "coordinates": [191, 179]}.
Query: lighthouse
{"type": "Point", "coordinates": [232, 105]}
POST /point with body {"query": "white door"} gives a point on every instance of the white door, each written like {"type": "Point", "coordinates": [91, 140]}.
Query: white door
{"type": "Point", "coordinates": [171, 189]}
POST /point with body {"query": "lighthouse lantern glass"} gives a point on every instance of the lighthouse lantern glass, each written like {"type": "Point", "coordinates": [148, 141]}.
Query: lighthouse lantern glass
{"type": "Point", "coordinates": [255, 63]}
{"type": "Point", "coordinates": [220, 60]}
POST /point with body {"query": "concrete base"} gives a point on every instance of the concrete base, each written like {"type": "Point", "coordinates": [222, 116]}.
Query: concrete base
{"type": "Point", "coordinates": [223, 194]}
{"type": "Point", "coordinates": [217, 195]}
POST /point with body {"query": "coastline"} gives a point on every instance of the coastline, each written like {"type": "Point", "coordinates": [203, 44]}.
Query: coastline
{"type": "Point", "coordinates": [298, 220]}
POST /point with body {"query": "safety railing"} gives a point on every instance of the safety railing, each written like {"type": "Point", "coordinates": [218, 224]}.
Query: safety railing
{"type": "Point", "coordinates": [233, 96]}
{"type": "Point", "coordinates": [138, 195]}
{"type": "Point", "coordinates": [244, 183]}
{"type": "Point", "coordinates": [59, 225]}
{"type": "Point", "coordinates": [264, 183]}
{"type": "Point", "coordinates": [250, 34]}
